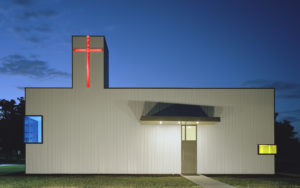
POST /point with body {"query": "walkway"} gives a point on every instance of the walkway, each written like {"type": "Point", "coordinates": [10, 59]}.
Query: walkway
{"type": "Point", "coordinates": [206, 182]}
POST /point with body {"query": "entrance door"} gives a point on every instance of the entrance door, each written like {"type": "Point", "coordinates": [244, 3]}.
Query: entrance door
{"type": "Point", "coordinates": [189, 149]}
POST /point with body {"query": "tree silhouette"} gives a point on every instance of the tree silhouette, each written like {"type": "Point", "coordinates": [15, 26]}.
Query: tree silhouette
{"type": "Point", "coordinates": [11, 127]}
{"type": "Point", "coordinates": [288, 154]}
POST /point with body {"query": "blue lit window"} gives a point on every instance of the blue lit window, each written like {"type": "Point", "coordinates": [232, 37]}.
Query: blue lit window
{"type": "Point", "coordinates": [33, 129]}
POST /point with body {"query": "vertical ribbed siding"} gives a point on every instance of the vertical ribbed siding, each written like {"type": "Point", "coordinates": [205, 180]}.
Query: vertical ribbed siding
{"type": "Point", "coordinates": [230, 147]}
{"type": "Point", "coordinates": [100, 133]}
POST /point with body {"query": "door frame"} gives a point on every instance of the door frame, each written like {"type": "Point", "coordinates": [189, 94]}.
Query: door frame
{"type": "Point", "coordinates": [185, 125]}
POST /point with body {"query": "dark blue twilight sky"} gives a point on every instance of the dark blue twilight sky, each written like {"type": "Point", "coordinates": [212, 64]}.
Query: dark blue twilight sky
{"type": "Point", "coordinates": [158, 43]}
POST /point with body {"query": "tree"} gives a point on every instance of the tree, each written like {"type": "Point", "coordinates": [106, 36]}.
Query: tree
{"type": "Point", "coordinates": [7, 109]}
{"type": "Point", "coordinates": [11, 126]}
{"type": "Point", "coordinates": [288, 154]}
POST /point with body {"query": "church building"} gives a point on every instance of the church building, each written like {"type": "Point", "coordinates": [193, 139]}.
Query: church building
{"type": "Point", "coordinates": [91, 128]}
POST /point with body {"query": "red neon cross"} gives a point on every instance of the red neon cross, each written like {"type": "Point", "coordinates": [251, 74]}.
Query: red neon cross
{"type": "Point", "coordinates": [88, 50]}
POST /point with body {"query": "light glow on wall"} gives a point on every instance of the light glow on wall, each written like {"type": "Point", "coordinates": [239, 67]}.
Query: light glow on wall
{"type": "Point", "coordinates": [267, 149]}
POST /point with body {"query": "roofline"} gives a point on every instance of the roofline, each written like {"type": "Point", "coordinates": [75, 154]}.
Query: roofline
{"type": "Point", "coordinates": [152, 88]}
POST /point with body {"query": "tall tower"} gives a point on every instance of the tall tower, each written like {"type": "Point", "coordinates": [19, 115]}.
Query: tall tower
{"type": "Point", "coordinates": [90, 62]}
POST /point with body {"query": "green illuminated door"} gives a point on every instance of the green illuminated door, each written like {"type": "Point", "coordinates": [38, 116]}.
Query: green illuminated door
{"type": "Point", "coordinates": [189, 149]}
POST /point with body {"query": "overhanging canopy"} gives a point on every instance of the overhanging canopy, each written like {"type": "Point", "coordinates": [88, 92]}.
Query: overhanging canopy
{"type": "Point", "coordinates": [171, 114]}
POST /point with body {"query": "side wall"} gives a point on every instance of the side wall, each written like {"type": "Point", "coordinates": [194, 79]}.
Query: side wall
{"type": "Point", "coordinates": [230, 147]}
{"type": "Point", "coordinates": [97, 131]}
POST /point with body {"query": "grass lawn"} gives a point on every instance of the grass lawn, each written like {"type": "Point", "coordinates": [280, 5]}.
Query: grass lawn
{"type": "Point", "coordinates": [260, 181]}
{"type": "Point", "coordinates": [5, 170]}
{"type": "Point", "coordinates": [54, 181]}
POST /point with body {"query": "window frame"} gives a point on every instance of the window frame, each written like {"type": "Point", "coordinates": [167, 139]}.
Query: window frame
{"type": "Point", "coordinates": [267, 153]}
{"type": "Point", "coordinates": [42, 135]}
{"type": "Point", "coordinates": [185, 131]}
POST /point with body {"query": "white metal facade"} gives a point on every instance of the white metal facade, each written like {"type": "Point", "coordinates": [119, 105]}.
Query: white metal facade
{"type": "Point", "coordinates": [97, 131]}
